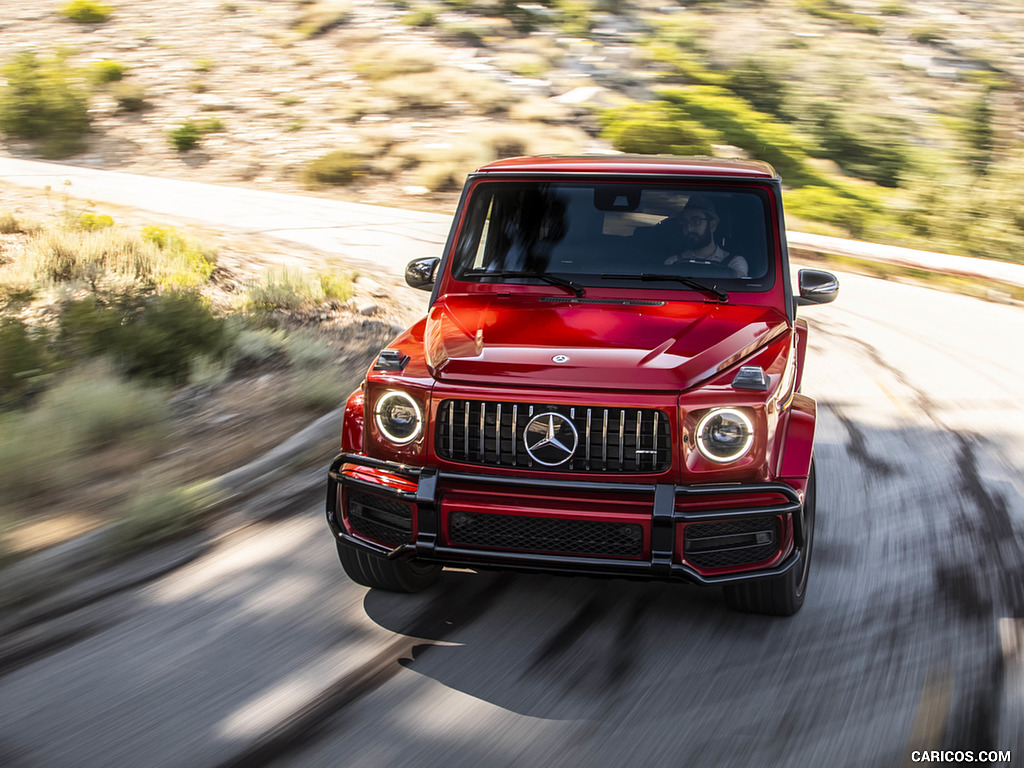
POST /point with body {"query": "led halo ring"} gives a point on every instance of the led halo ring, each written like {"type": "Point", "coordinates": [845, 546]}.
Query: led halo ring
{"type": "Point", "coordinates": [378, 420]}
{"type": "Point", "coordinates": [740, 416]}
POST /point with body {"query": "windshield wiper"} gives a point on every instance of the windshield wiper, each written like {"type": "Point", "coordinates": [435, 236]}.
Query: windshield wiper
{"type": "Point", "coordinates": [559, 281]}
{"type": "Point", "coordinates": [687, 281]}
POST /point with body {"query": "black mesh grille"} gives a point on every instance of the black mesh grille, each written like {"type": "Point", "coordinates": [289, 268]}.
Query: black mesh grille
{"type": "Point", "coordinates": [732, 542]}
{"type": "Point", "coordinates": [607, 439]}
{"type": "Point", "coordinates": [539, 534]}
{"type": "Point", "coordinates": [382, 519]}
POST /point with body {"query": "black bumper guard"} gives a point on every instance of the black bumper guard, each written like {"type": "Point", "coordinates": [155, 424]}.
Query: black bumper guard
{"type": "Point", "coordinates": [663, 521]}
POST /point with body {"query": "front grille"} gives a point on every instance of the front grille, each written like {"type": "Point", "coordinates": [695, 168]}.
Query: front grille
{"type": "Point", "coordinates": [732, 542]}
{"type": "Point", "coordinates": [543, 534]}
{"type": "Point", "coordinates": [608, 439]}
{"type": "Point", "coordinates": [381, 519]}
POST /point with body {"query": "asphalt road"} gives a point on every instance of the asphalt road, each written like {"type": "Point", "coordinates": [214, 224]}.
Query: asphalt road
{"type": "Point", "coordinates": [262, 653]}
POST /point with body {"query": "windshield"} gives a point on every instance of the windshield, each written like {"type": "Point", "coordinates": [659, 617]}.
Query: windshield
{"type": "Point", "coordinates": [608, 234]}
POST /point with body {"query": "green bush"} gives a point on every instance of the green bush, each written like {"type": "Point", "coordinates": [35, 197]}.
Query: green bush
{"type": "Point", "coordinates": [97, 408]}
{"type": "Point", "coordinates": [307, 352]}
{"type": "Point", "coordinates": [319, 390]}
{"type": "Point", "coordinates": [926, 35]}
{"type": "Point", "coordinates": [172, 331]}
{"type": "Point", "coordinates": [257, 348]}
{"type": "Point", "coordinates": [129, 96]}
{"type": "Point", "coordinates": [158, 515]}
{"type": "Point", "coordinates": [156, 338]}
{"type": "Point", "coordinates": [874, 154]}
{"type": "Point", "coordinates": [104, 72]}
{"type": "Point", "coordinates": [656, 128]}
{"type": "Point", "coordinates": [86, 11]}
{"type": "Point", "coordinates": [336, 168]}
{"type": "Point", "coordinates": [762, 86]}
{"type": "Point", "coordinates": [189, 134]}
{"type": "Point", "coordinates": [24, 361]}
{"type": "Point", "coordinates": [185, 137]}
{"type": "Point", "coordinates": [743, 126]}
{"type": "Point", "coordinates": [421, 18]}
{"type": "Point", "coordinates": [817, 203]}
{"type": "Point", "coordinates": [41, 102]}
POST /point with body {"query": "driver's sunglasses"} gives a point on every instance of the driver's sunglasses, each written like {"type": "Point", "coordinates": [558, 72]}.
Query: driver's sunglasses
{"type": "Point", "coordinates": [694, 221]}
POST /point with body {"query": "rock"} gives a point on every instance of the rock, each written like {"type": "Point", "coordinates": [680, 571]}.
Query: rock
{"type": "Point", "coordinates": [367, 308]}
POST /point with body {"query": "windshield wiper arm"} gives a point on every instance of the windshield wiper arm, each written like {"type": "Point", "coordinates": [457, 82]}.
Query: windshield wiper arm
{"type": "Point", "coordinates": [687, 281]}
{"type": "Point", "coordinates": [559, 281]}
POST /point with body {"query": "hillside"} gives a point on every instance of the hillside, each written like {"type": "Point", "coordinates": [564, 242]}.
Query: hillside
{"type": "Point", "coordinates": [890, 120]}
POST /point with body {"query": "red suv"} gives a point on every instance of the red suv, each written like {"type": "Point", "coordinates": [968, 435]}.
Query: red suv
{"type": "Point", "coordinates": [607, 384]}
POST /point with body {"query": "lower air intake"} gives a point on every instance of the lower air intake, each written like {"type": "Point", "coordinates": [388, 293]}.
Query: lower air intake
{"type": "Point", "coordinates": [543, 534]}
{"type": "Point", "coordinates": [383, 520]}
{"type": "Point", "coordinates": [731, 543]}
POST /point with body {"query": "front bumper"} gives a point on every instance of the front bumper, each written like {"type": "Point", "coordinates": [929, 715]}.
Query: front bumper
{"type": "Point", "coordinates": [422, 489]}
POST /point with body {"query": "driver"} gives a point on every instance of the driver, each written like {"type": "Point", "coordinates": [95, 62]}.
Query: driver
{"type": "Point", "coordinates": [695, 229]}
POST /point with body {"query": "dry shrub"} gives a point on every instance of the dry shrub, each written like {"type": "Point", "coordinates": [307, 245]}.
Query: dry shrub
{"type": "Point", "coordinates": [64, 255]}
{"type": "Point", "coordinates": [292, 290]}
{"type": "Point", "coordinates": [444, 169]}
{"type": "Point", "coordinates": [319, 17]}
{"type": "Point", "coordinates": [334, 169]}
{"type": "Point", "coordinates": [379, 62]}
{"type": "Point", "coordinates": [541, 111]}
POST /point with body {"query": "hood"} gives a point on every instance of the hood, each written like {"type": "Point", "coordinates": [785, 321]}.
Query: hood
{"type": "Point", "coordinates": [600, 344]}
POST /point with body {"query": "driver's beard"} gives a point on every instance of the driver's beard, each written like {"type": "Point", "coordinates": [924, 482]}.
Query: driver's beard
{"type": "Point", "coordinates": [695, 241]}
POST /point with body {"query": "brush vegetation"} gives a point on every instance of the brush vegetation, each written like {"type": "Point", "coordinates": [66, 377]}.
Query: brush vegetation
{"type": "Point", "coordinates": [45, 102]}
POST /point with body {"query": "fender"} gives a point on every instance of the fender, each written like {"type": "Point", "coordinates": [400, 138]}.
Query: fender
{"type": "Point", "coordinates": [799, 441]}
{"type": "Point", "coordinates": [352, 425]}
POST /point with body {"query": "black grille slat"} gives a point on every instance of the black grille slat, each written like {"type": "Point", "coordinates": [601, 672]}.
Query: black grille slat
{"type": "Point", "coordinates": [731, 555]}
{"type": "Point", "coordinates": [610, 439]}
{"type": "Point", "coordinates": [379, 518]}
{"type": "Point", "coordinates": [541, 534]}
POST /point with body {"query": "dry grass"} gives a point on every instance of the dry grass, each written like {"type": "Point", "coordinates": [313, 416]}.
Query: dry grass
{"type": "Point", "coordinates": [379, 62]}
{"type": "Point", "coordinates": [444, 168]}
{"type": "Point", "coordinates": [316, 18]}
{"type": "Point", "coordinates": [108, 257]}
{"type": "Point", "coordinates": [294, 290]}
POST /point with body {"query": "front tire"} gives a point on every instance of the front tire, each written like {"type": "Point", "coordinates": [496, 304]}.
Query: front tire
{"type": "Point", "coordinates": [782, 595]}
{"type": "Point", "coordinates": [390, 575]}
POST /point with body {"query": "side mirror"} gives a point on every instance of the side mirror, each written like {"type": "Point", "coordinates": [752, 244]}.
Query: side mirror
{"type": "Point", "coordinates": [419, 273]}
{"type": "Point", "coordinates": [816, 287]}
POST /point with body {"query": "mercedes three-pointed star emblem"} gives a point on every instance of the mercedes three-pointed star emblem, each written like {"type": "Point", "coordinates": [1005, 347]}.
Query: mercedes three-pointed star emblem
{"type": "Point", "coordinates": [551, 439]}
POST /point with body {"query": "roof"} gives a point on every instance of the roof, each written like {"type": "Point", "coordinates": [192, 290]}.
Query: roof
{"type": "Point", "coordinates": [633, 164]}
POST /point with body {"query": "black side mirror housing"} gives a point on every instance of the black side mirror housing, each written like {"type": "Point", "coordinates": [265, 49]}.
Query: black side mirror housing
{"type": "Point", "coordinates": [816, 287]}
{"type": "Point", "coordinates": [419, 273]}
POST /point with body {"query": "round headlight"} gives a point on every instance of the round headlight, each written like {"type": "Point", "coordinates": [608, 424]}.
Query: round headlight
{"type": "Point", "coordinates": [398, 417]}
{"type": "Point", "coordinates": [724, 435]}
